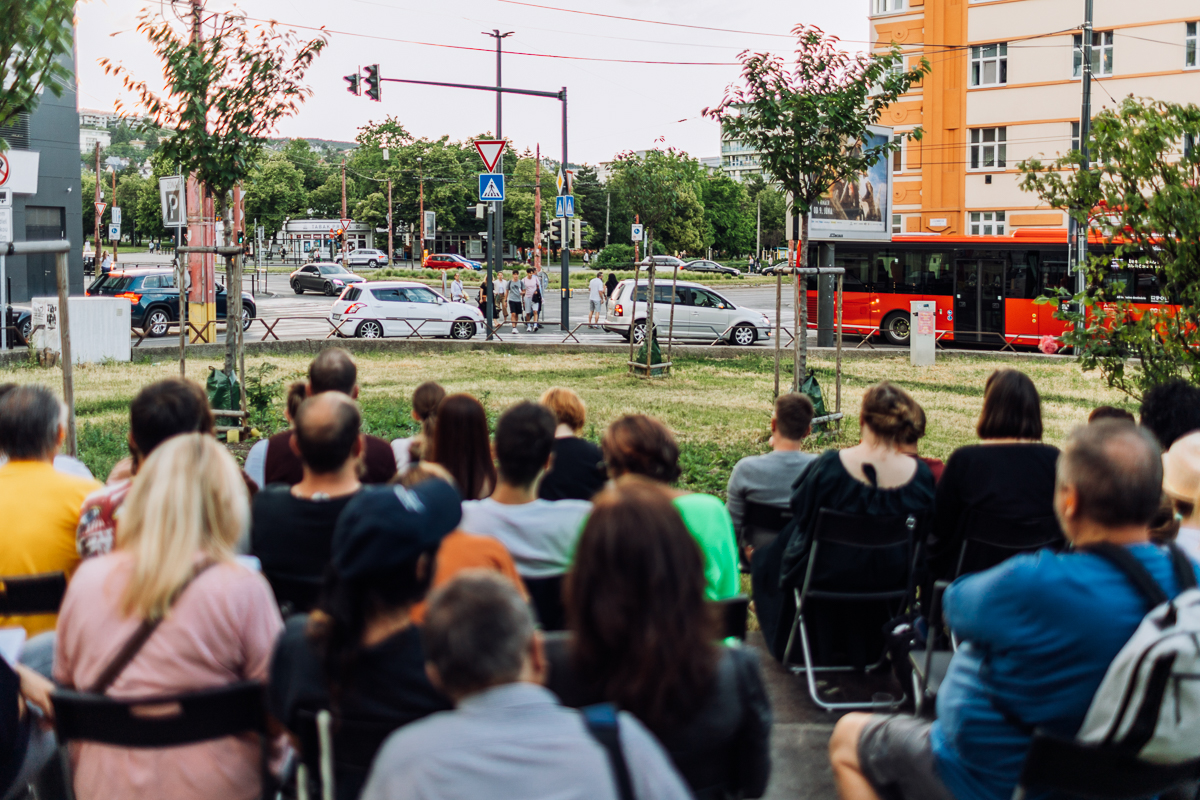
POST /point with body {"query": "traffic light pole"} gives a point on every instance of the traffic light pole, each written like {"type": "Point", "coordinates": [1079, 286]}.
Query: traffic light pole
{"type": "Point", "coordinates": [565, 288]}
{"type": "Point", "coordinates": [496, 234]}
{"type": "Point", "coordinates": [559, 95]}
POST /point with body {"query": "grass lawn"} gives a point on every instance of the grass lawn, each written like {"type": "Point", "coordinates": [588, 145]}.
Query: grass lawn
{"type": "Point", "coordinates": [719, 408]}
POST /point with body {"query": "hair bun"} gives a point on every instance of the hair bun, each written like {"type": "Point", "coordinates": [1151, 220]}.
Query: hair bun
{"type": "Point", "coordinates": [891, 413]}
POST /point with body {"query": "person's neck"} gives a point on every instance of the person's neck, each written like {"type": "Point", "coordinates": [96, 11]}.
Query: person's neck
{"type": "Point", "coordinates": [333, 484]}
{"type": "Point", "coordinates": [386, 625]}
{"type": "Point", "coordinates": [1087, 532]}
{"type": "Point", "coordinates": [564, 431]}
{"type": "Point", "coordinates": [508, 495]}
{"type": "Point", "coordinates": [782, 445]}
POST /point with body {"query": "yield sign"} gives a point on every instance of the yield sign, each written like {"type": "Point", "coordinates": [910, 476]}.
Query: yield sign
{"type": "Point", "coordinates": [346, 223]}
{"type": "Point", "coordinates": [4, 170]}
{"type": "Point", "coordinates": [100, 209]}
{"type": "Point", "coordinates": [489, 151]}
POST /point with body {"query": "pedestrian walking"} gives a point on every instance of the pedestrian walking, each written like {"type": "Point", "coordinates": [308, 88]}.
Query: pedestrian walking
{"type": "Point", "coordinates": [514, 294]}
{"type": "Point", "coordinates": [531, 287]}
{"type": "Point", "coordinates": [456, 289]}
{"type": "Point", "coordinates": [595, 298]}
{"type": "Point", "coordinates": [543, 292]}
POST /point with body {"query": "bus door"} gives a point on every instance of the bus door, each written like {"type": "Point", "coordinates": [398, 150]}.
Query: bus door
{"type": "Point", "coordinates": [978, 299]}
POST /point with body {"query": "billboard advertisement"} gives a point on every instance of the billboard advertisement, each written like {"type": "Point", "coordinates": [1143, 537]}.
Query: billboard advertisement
{"type": "Point", "coordinates": [858, 208]}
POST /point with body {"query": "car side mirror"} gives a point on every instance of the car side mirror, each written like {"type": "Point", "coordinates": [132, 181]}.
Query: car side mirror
{"type": "Point", "coordinates": [720, 305]}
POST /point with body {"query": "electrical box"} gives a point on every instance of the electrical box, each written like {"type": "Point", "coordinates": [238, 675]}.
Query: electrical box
{"type": "Point", "coordinates": [922, 332]}
{"type": "Point", "coordinates": [99, 328]}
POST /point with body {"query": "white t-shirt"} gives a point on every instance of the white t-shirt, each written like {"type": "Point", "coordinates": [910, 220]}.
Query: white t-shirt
{"type": "Point", "coordinates": [541, 536]}
{"type": "Point", "coordinates": [531, 286]}
{"type": "Point", "coordinates": [456, 292]}
{"type": "Point", "coordinates": [67, 465]}
{"type": "Point", "coordinates": [1188, 540]}
{"type": "Point", "coordinates": [595, 287]}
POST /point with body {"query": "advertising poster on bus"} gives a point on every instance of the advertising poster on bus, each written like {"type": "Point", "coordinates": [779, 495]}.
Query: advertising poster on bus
{"type": "Point", "coordinates": [858, 208]}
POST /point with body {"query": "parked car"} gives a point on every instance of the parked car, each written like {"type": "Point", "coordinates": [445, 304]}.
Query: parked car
{"type": "Point", "coordinates": [330, 279]}
{"type": "Point", "coordinates": [700, 313]}
{"type": "Point", "coordinates": [19, 320]}
{"type": "Point", "coordinates": [770, 269]}
{"type": "Point", "coordinates": [670, 262]}
{"type": "Point", "coordinates": [704, 265]}
{"type": "Point", "coordinates": [450, 261]}
{"type": "Point", "coordinates": [363, 257]}
{"type": "Point", "coordinates": [154, 299]}
{"type": "Point", "coordinates": [400, 308]}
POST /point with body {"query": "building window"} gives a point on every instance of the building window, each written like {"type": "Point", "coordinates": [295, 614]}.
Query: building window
{"type": "Point", "coordinates": [989, 65]}
{"type": "Point", "coordinates": [1102, 54]}
{"type": "Point", "coordinates": [1190, 44]}
{"type": "Point", "coordinates": [898, 153]}
{"type": "Point", "coordinates": [887, 6]}
{"type": "Point", "coordinates": [1074, 135]}
{"type": "Point", "coordinates": [988, 148]}
{"type": "Point", "coordinates": [987, 223]}
{"type": "Point", "coordinates": [1189, 143]}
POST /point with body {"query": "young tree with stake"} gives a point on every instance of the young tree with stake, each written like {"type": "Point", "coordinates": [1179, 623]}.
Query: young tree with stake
{"type": "Point", "coordinates": [808, 122]}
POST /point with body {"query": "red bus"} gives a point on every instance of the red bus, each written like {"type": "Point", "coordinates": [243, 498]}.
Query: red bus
{"type": "Point", "coordinates": [984, 286]}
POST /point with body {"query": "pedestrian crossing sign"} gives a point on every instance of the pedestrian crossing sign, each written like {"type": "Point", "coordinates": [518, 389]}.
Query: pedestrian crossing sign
{"type": "Point", "coordinates": [564, 205]}
{"type": "Point", "coordinates": [491, 186]}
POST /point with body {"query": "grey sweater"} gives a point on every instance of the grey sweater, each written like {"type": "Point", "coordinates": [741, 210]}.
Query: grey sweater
{"type": "Point", "coordinates": [765, 479]}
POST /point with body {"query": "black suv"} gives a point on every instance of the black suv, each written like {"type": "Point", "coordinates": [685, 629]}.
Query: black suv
{"type": "Point", "coordinates": [154, 299]}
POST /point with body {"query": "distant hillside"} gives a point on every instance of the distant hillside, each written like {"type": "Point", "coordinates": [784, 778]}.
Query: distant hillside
{"type": "Point", "coordinates": [318, 144]}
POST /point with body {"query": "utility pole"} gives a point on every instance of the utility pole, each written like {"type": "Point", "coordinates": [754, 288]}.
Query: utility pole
{"type": "Point", "coordinates": [758, 232]}
{"type": "Point", "coordinates": [419, 247]}
{"type": "Point", "coordinates": [99, 247]}
{"type": "Point", "coordinates": [345, 233]}
{"type": "Point", "coordinates": [389, 219]}
{"type": "Point", "coordinates": [537, 208]}
{"type": "Point", "coordinates": [565, 280]}
{"type": "Point", "coordinates": [496, 240]}
{"type": "Point", "coordinates": [114, 205]}
{"type": "Point", "coordinates": [607, 214]}
{"type": "Point", "coordinates": [1085, 124]}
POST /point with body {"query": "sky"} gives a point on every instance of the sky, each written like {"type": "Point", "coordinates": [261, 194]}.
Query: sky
{"type": "Point", "coordinates": [613, 105]}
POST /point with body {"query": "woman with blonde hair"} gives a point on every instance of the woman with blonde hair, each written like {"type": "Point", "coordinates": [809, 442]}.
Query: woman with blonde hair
{"type": "Point", "coordinates": [213, 622]}
{"type": "Point", "coordinates": [577, 471]}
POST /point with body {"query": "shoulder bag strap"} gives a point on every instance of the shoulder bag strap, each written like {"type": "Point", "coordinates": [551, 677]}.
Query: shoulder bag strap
{"type": "Point", "coordinates": [135, 642]}
{"type": "Point", "coordinates": [1185, 571]}
{"type": "Point", "coordinates": [1129, 565]}
{"type": "Point", "coordinates": [601, 720]}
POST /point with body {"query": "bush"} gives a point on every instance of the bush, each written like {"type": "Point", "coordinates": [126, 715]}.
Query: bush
{"type": "Point", "coordinates": [615, 254]}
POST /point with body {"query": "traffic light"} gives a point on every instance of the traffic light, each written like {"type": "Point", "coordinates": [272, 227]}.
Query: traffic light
{"type": "Point", "coordinates": [372, 81]}
{"type": "Point", "coordinates": [352, 88]}
{"type": "Point", "coordinates": [480, 210]}
{"type": "Point", "coordinates": [576, 226]}
{"type": "Point", "coordinates": [241, 237]}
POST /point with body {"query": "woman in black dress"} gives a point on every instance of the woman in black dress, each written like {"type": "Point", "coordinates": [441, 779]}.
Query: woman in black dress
{"type": "Point", "coordinates": [1008, 476]}
{"type": "Point", "coordinates": [873, 478]}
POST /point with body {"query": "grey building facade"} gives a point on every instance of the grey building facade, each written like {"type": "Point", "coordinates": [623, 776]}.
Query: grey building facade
{"type": "Point", "coordinates": [55, 212]}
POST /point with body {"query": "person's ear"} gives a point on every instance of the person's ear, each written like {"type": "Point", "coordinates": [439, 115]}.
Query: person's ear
{"type": "Point", "coordinates": [359, 446]}
{"type": "Point", "coordinates": [60, 437]}
{"type": "Point", "coordinates": [434, 676]}
{"type": "Point", "coordinates": [354, 392]}
{"type": "Point", "coordinates": [294, 445]}
{"type": "Point", "coordinates": [807, 431]}
{"type": "Point", "coordinates": [308, 392]}
{"type": "Point", "coordinates": [539, 667]}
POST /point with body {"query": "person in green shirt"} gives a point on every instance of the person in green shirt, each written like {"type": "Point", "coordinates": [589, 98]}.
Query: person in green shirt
{"type": "Point", "coordinates": [640, 445]}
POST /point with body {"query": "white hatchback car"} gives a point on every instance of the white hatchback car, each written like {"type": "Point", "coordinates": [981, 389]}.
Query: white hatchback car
{"type": "Point", "coordinates": [700, 313]}
{"type": "Point", "coordinates": [376, 309]}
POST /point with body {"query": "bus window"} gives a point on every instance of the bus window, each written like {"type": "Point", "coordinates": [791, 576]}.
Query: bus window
{"type": "Point", "coordinates": [938, 275]}
{"type": "Point", "coordinates": [1054, 275]}
{"type": "Point", "coordinates": [888, 272]}
{"type": "Point", "coordinates": [857, 268]}
{"type": "Point", "coordinates": [909, 280]}
{"type": "Point", "coordinates": [1022, 276]}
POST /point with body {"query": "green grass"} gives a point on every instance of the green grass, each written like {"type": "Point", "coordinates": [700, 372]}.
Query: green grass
{"type": "Point", "coordinates": [718, 408]}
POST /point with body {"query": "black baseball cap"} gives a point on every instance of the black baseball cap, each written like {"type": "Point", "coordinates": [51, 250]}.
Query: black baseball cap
{"type": "Point", "coordinates": [386, 526]}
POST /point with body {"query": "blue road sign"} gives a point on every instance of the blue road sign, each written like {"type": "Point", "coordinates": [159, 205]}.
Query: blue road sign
{"type": "Point", "coordinates": [491, 186]}
{"type": "Point", "coordinates": [564, 205]}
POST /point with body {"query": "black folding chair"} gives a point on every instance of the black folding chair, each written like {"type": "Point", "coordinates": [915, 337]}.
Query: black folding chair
{"type": "Point", "coordinates": [988, 540]}
{"type": "Point", "coordinates": [32, 594]}
{"type": "Point", "coordinates": [161, 721]}
{"type": "Point", "coordinates": [760, 525]}
{"type": "Point", "coordinates": [734, 613]}
{"type": "Point", "coordinates": [876, 566]}
{"type": "Point", "coordinates": [338, 751]}
{"type": "Point", "coordinates": [1069, 768]}
{"type": "Point", "coordinates": [295, 594]}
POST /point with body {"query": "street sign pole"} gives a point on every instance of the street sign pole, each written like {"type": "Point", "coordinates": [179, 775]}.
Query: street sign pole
{"type": "Point", "coordinates": [565, 289]}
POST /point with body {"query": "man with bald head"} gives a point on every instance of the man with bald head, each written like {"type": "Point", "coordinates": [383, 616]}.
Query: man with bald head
{"type": "Point", "coordinates": [292, 526]}
{"type": "Point", "coordinates": [1038, 634]}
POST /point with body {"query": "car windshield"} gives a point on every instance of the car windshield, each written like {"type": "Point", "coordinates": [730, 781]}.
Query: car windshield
{"type": "Point", "coordinates": [332, 269]}
{"type": "Point", "coordinates": [111, 284]}
{"type": "Point", "coordinates": [419, 294]}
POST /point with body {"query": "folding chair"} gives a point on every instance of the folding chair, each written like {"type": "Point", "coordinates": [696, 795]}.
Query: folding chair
{"type": "Point", "coordinates": [161, 721]}
{"type": "Point", "coordinates": [988, 540]}
{"type": "Point", "coordinates": [1068, 768]}
{"type": "Point", "coordinates": [734, 612]}
{"type": "Point", "coordinates": [881, 549]}
{"type": "Point", "coordinates": [32, 594]}
{"type": "Point", "coordinates": [339, 751]}
{"type": "Point", "coordinates": [295, 594]}
{"type": "Point", "coordinates": [760, 525]}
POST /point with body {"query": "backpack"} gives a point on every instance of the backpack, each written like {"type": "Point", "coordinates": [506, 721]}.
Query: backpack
{"type": "Point", "coordinates": [1148, 705]}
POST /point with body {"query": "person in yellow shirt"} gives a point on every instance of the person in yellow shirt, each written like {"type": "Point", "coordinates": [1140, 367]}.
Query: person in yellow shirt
{"type": "Point", "coordinates": [39, 506]}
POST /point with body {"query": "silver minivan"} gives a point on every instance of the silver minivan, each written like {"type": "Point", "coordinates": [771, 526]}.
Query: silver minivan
{"type": "Point", "coordinates": [700, 313]}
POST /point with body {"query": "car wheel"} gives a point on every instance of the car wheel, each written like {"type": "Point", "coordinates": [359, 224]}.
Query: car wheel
{"type": "Point", "coordinates": [372, 263]}
{"type": "Point", "coordinates": [462, 329]}
{"type": "Point", "coordinates": [328, 289]}
{"type": "Point", "coordinates": [895, 328]}
{"type": "Point", "coordinates": [370, 329]}
{"type": "Point", "coordinates": [26, 332]}
{"type": "Point", "coordinates": [157, 322]}
{"type": "Point", "coordinates": [743, 335]}
{"type": "Point", "coordinates": [639, 332]}
{"type": "Point", "coordinates": [247, 317]}
{"type": "Point", "coordinates": [297, 288]}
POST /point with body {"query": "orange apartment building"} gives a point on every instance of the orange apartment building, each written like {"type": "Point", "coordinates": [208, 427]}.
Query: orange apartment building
{"type": "Point", "coordinates": [1006, 86]}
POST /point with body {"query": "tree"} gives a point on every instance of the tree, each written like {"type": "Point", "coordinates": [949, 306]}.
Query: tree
{"type": "Point", "coordinates": [728, 215]}
{"type": "Point", "coordinates": [35, 38]}
{"type": "Point", "coordinates": [87, 191]}
{"type": "Point", "coordinates": [372, 210]}
{"type": "Point", "coordinates": [274, 192]}
{"type": "Point", "coordinates": [129, 188]}
{"type": "Point", "coordinates": [225, 91]}
{"type": "Point", "coordinates": [773, 206]}
{"type": "Point", "coordinates": [808, 122]}
{"type": "Point", "coordinates": [1141, 198]}
{"type": "Point", "coordinates": [310, 164]}
{"type": "Point", "coordinates": [662, 189]}
{"type": "Point", "coordinates": [591, 203]}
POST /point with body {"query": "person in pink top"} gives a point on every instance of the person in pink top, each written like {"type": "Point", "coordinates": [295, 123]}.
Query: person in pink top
{"type": "Point", "coordinates": [187, 508]}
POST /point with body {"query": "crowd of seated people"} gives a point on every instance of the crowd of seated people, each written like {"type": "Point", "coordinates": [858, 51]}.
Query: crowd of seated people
{"type": "Point", "coordinates": [514, 610]}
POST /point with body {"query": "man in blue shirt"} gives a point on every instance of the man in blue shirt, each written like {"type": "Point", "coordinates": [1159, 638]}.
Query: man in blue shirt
{"type": "Point", "coordinates": [1039, 632]}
